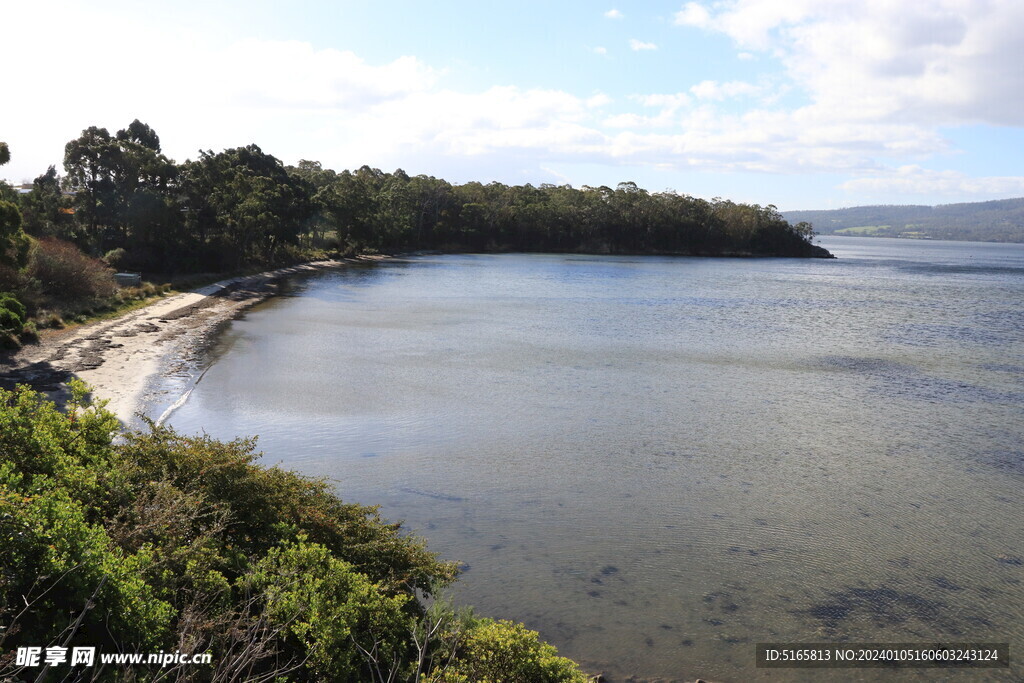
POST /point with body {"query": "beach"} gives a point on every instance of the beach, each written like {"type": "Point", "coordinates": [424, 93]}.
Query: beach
{"type": "Point", "coordinates": [119, 357]}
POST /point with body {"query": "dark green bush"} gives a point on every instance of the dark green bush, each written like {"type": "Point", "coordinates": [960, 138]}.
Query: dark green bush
{"type": "Point", "coordinates": [12, 314]}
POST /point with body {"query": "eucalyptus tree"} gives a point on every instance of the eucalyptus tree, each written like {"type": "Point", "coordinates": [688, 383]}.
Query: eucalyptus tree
{"type": "Point", "coordinates": [14, 244]}
{"type": "Point", "coordinates": [243, 205]}
{"type": "Point", "coordinates": [46, 210]}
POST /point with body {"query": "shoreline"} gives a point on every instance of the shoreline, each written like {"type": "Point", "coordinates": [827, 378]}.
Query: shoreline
{"type": "Point", "coordinates": [119, 358]}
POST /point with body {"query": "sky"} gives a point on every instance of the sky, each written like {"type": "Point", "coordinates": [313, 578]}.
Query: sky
{"type": "Point", "coordinates": [804, 104]}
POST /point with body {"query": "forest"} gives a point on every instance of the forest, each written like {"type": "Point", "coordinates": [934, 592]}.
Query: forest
{"type": "Point", "coordinates": [122, 199]}
{"type": "Point", "coordinates": [994, 221]}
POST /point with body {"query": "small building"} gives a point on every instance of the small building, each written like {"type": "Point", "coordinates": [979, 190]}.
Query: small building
{"type": "Point", "coordinates": [128, 279]}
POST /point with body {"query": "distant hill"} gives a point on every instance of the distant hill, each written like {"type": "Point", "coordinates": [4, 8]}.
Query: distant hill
{"type": "Point", "coordinates": [996, 221]}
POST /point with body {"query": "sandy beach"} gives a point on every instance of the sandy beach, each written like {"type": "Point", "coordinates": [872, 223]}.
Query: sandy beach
{"type": "Point", "coordinates": [119, 357]}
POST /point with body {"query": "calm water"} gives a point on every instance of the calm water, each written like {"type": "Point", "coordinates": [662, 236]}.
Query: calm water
{"type": "Point", "coordinates": [659, 462]}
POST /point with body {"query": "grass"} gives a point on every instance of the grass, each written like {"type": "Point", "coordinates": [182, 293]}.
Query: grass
{"type": "Point", "coordinates": [864, 230]}
{"type": "Point", "coordinates": [124, 301]}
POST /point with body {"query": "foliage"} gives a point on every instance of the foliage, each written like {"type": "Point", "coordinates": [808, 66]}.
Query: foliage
{"type": "Point", "coordinates": [244, 202]}
{"type": "Point", "coordinates": [267, 503]}
{"type": "Point", "coordinates": [52, 485]}
{"type": "Point", "coordinates": [14, 243]}
{"type": "Point", "coordinates": [242, 207]}
{"type": "Point", "coordinates": [152, 540]}
{"type": "Point", "coordinates": [65, 272]}
{"type": "Point", "coordinates": [328, 611]}
{"type": "Point", "coordinates": [45, 209]}
{"type": "Point", "coordinates": [12, 313]}
{"type": "Point", "coordinates": [122, 185]}
{"type": "Point", "coordinates": [115, 257]}
{"type": "Point", "coordinates": [506, 652]}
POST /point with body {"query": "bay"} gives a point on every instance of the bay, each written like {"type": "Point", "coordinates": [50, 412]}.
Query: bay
{"type": "Point", "coordinates": [660, 462]}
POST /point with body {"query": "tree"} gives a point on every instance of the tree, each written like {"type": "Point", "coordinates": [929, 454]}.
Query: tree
{"type": "Point", "coordinates": [243, 204]}
{"type": "Point", "coordinates": [89, 162]}
{"type": "Point", "coordinates": [14, 243]}
{"type": "Point", "coordinates": [140, 133]}
{"type": "Point", "coordinates": [122, 184]}
{"type": "Point", "coordinates": [45, 209]}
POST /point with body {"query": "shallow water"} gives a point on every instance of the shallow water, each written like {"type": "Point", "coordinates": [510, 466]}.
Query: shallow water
{"type": "Point", "coordinates": [659, 462]}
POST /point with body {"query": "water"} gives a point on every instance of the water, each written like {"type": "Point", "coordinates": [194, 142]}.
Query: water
{"type": "Point", "coordinates": [659, 462]}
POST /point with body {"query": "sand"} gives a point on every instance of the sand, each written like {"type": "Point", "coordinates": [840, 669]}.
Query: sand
{"type": "Point", "coordinates": [120, 357]}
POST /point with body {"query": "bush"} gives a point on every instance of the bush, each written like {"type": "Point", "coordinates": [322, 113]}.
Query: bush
{"type": "Point", "coordinates": [66, 274]}
{"type": "Point", "coordinates": [14, 243]}
{"type": "Point", "coordinates": [12, 314]}
{"type": "Point", "coordinates": [115, 257]}
{"type": "Point", "coordinates": [29, 333]}
{"type": "Point", "coordinates": [186, 543]}
{"type": "Point", "coordinates": [508, 652]}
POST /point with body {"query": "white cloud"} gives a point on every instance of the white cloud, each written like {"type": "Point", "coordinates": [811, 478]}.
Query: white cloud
{"type": "Point", "coordinates": [613, 14]}
{"type": "Point", "coordinates": [672, 101]}
{"type": "Point", "coordinates": [915, 180]}
{"type": "Point", "coordinates": [600, 50]}
{"type": "Point", "coordinates": [668, 115]}
{"type": "Point", "coordinates": [932, 61]}
{"type": "Point", "coordinates": [693, 14]}
{"type": "Point", "coordinates": [713, 90]}
{"type": "Point", "coordinates": [877, 79]}
{"type": "Point", "coordinates": [294, 74]}
{"type": "Point", "coordinates": [638, 45]}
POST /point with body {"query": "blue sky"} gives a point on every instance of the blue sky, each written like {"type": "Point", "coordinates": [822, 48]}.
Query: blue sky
{"type": "Point", "coordinates": [798, 103]}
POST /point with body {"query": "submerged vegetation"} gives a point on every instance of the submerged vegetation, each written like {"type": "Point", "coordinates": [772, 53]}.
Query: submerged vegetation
{"type": "Point", "coordinates": [155, 541]}
{"type": "Point", "coordinates": [123, 204]}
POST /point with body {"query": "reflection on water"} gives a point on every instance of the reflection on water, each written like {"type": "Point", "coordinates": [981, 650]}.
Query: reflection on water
{"type": "Point", "coordinates": [659, 462]}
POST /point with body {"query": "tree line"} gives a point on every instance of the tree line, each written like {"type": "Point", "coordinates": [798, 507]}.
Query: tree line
{"type": "Point", "coordinates": [242, 206]}
{"type": "Point", "coordinates": [122, 204]}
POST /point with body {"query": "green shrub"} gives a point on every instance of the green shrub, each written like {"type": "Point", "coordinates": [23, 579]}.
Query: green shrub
{"type": "Point", "coordinates": [493, 651]}
{"type": "Point", "coordinates": [329, 611]}
{"type": "Point", "coordinates": [10, 322]}
{"type": "Point", "coordinates": [10, 302]}
{"type": "Point", "coordinates": [12, 314]}
{"type": "Point", "coordinates": [115, 257]}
